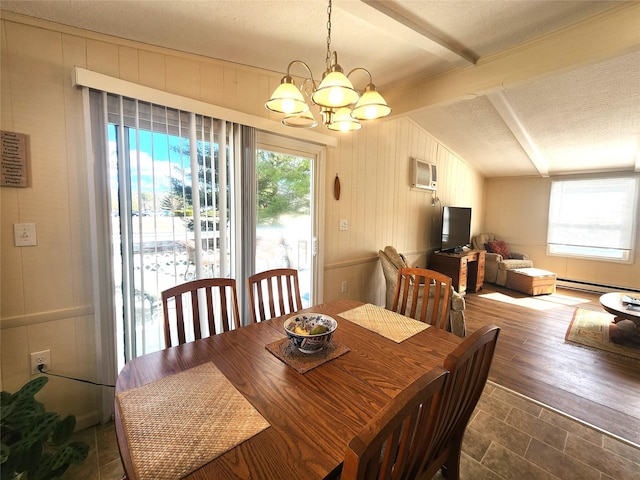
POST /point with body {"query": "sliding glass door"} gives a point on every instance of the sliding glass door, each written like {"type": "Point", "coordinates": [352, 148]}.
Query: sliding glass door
{"type": "Point", "coordinates": [172, 211]}
{"type": "Point", "coordinates": [287, 209]}
{"type": "Point", "coordinates": [182, 196]}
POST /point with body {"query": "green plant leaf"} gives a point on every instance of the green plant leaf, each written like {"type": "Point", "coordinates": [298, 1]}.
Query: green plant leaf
{"type": "Point", "coordinates": [36, 441]}
{"type": "Point", "coordinates": [42, 470]}
{"type": "Point", "coordinates": [6, 406]}
{"type": "Point", "coordinates": [26, 455]}
{"type": "Point", "coordinates": [29, 389]}
{"type": "Point", "coordinates": [26, 414]}
{"type": "Point", "coordinates": [63, 430]}
{"type": "Point", "coordinates": [9, 464]}
{"type": "Point", "coordinates": [4, 452]}
{"type": "Point", "coordinates": [43, 429]}
{"type": "Point", "coordinates": [73, 452]}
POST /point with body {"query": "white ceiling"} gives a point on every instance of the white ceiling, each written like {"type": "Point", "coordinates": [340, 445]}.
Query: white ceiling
{"type": "Point", "coordinates": [582, 117]}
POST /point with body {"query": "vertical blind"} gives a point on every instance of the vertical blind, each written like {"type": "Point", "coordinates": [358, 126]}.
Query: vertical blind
{"type": "Point", "coordinates": [593, 217]}
{"type": "Point", "coordinates": [174, 200]}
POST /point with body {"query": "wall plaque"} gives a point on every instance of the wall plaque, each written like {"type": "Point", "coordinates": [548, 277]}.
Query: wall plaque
{"type": "Point", "coordinates": [14, 159]}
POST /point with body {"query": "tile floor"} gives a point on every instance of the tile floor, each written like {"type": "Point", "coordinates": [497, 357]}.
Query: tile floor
{"type": "Point", "coordinates": [512, 437]}
{"type": "Point", "coordinates": [509, 437]}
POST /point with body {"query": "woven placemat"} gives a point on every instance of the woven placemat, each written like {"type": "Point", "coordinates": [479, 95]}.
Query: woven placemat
{"type": "Point", "coordinates": [179, 423]}
{"type": "Point", "coordinates": [389, 324]}
{"type": "Point", "coordinates": [303, 362]}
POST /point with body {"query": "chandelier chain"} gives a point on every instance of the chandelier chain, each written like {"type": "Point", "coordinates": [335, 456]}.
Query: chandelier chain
{"type": "Point", "coordinates": [328, 59]}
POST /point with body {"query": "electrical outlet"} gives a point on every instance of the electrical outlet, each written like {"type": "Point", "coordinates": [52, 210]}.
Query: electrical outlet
{"type": "Point", "coordinates": [40, 358]}
{"type": "Point", "coordinates": [345, 286]}
{"type": "Point", "coordinates": [344, 224]}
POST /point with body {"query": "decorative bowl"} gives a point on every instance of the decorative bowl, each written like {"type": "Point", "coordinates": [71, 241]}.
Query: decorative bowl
{"type": "Point", "coordinates": [309, 323]}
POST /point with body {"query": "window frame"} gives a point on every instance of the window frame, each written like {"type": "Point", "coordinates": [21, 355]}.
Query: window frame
{"type": "Point", "coordinates": [589, 252]}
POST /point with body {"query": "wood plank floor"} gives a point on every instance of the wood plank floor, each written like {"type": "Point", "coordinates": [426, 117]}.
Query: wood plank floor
{"type": "Point", "coordinates": [532, 358]}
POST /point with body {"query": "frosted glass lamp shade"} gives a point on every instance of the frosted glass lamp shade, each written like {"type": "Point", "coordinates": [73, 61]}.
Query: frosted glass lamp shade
{"type": "Point", "coordinates": [342, 121]}
{"type": "Point", "coordinates": [287, 99]}
{"type": "Point", "coordinates": [301, 120]}
{"type": "Point", "coordinates": [371, 105]}
{"type": "Point", "coordinates": [335, 91]}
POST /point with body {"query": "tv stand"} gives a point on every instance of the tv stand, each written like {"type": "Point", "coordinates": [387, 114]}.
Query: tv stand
{"type": "Point", "coordinates": [466, 269]}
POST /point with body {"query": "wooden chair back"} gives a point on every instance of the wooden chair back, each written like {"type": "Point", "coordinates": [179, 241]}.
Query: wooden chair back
{"type": "Point", "coordinates": [273, 293]}
{"type": "Point", "coordinates": [220, 292]}
{"type": "Point", "coordinates": [468, 367]}
{"type": "Point", "coordinates": [424, 295]}
{"type": "Point", "coordinates": [406, 443]}
{"type": "Point", "coordinates": [393, 441]}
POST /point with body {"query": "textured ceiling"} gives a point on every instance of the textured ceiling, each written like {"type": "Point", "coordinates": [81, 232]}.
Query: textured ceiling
{"type": "Point", "coordinates": [582, 119]}
{"type": "Point", "coordinates": [585, 120]}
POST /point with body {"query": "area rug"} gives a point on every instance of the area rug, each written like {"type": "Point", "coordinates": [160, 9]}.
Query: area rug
{"type": "Point", "coordinates": [593, 329]}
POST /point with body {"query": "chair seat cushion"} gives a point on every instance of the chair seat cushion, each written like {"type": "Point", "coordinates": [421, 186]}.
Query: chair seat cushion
{"type": "Point", "coordinates": [512, 263]}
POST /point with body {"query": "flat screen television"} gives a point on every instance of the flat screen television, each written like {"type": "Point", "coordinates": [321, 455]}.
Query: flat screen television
{"type": "Point", "coordinates": [456, 228]}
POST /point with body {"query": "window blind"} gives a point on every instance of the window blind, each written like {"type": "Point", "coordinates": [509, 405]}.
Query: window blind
{"type": "Point", "coordinates": [172, 204]}
{"type": "Point", "coordinates": [593, 217]}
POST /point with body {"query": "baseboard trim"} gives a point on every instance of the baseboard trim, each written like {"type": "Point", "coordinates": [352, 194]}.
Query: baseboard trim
{"type": "Point", "coordinates": [592, 286]}
{"type": "Point", "coordinates": [87, 420]}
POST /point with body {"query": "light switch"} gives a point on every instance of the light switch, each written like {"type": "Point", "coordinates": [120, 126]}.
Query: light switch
{"type": "Point", "coordinates": [25, 234]}
{"type": "Point", "coordinates": [344, 224]}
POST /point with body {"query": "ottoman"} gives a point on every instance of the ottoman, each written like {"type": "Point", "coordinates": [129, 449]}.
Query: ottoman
{"type": "Point", "coordinates": [532, 281]}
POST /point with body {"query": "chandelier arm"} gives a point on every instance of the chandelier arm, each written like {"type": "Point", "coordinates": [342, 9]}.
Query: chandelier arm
{"type": "Point", "coordinates": [308, 86]}
{"type": "Point", "coordinates": [305, 66]}
{"type": "Point", "coordinates": [364, 70]}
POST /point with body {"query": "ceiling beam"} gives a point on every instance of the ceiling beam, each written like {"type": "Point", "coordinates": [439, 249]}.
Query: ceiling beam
{"type": "Point", "coordinates": [605, 36]}
{"type": "Point", "coordinates": [379, 14]}
{"type": "Point", "coordinates": [503, 107]}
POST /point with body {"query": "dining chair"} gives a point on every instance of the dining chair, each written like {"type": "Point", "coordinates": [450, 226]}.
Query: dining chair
{"type": "Point", "coordinates": [437, 443]}
{"type": "Point", "coordinates": [273, 293]}
{"type": "Point", "coordinates": [424, 295]}
{"type": "Point", "coordinates": [393, 441]}
{"type": "Point", "coordinates": [193, 294]}
{"type": "Point", "coordinates": [468, 367]}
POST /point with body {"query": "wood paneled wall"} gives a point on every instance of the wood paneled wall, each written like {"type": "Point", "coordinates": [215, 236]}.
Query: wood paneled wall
{"type": "Point", "coordinates": [46, 291]}
{"type": "Point", "coordinates": [374, 167]}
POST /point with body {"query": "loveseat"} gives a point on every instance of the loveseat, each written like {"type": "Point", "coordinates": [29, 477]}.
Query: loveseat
{"type": "Point", "coordinates": [391, 261]}
{"type": "Point", "coordinates": [499, 258]}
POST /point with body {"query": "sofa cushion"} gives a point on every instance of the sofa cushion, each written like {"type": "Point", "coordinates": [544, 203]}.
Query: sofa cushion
{"type": "Point", "coordinates": [498, 246]}
{"type": "Point", "coordinates": [479, 240]}
{"type": "Point", "coordinates": [512, 263]}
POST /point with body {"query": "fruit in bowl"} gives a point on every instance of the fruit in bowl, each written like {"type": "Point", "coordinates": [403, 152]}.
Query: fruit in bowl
{"type": "Point", "coordinates": [310, 332]}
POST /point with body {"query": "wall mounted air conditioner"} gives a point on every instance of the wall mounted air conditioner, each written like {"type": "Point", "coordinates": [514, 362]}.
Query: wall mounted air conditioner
{"type": "Point", "coordinates": [423, 175]}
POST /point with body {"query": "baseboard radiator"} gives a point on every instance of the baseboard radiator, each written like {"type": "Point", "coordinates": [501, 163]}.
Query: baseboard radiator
{"type": "Point", "coordinates": [591, 286]}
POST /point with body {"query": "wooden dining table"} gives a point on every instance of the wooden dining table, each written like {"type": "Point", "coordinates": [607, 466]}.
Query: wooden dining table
{"type": "Point", "coordinates": [311, 416]}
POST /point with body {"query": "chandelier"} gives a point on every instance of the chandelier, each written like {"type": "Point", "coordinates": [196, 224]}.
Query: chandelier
{"type": "Point", "coordinates": [342, 108]}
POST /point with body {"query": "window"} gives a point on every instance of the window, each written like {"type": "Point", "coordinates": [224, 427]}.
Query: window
{"type": "Point", "coordinates": [173, 207]}
{"type": "Point", "coordinates": [175, 199]}
{"type": "Point", "coordinates": [284, 227]}
{"type": "Point", "coordinates": [151, 149]}
{"type": "Point", "coordinates": [593, 218]}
